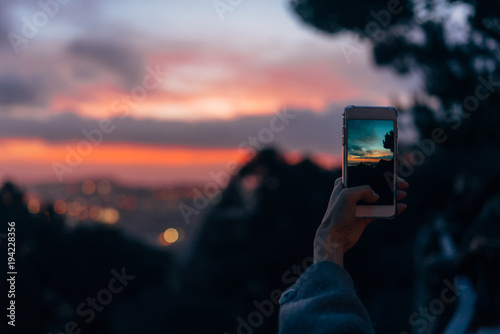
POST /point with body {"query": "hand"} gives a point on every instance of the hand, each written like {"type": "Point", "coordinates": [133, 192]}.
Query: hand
{"type": "Point", "coordinates": [340, 229]}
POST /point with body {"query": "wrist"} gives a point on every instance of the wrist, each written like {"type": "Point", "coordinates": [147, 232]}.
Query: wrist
{"type": "Point", "coordinates": [333, 252]}
{"type": "Point", "coordinates": [337, 257]}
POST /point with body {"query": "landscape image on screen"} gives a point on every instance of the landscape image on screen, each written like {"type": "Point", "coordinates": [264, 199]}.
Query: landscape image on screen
{"type": "Point", "coordinates": [370, 157]}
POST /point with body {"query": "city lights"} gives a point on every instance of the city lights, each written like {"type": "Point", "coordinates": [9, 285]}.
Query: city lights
{"type": "Point", "coordinates": [96, 213]}
{"type": "Point", "coordinates": [110, 216]}
{"type": "Point", "coordinates": [171, 235]}
{"type": "Point", "coordinates": [107, 203]}
{"type": "Point", "coordinates": [60, 207]}
{"type": "Point", "coordinates": [74, 208]}
{"type": "Point", "coordinates": [34, 206]}
{"type": "Point", "coordinates": [88, 187]}
{"type": "Point", "coordinates": [104, 187]}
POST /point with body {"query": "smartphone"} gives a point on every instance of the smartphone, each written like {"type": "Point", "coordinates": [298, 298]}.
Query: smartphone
{"type": "Point", "coordinates": [370, 155]}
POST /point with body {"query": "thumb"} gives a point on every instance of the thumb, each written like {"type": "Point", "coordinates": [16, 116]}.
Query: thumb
{"type": "Point", "coordinates": [353, 195]}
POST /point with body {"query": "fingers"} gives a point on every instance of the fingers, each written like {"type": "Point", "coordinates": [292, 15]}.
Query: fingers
{"type": "Point", "coordinates": [400, 194]}
{"type": "Point", "coordinates": [353, 195]}
{"type": "Point", "coordinates": [401, 207]}
{"type": "Point", "coordinates": [402, 184]}
{"type": "Point", "coordinates": [337, 188]}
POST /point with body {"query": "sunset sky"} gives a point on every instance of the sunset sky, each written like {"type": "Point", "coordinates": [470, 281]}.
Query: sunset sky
{"type": "Point", "coordinates": [154, 92]}
{"type": "Point", "coordinates": [365, 141]}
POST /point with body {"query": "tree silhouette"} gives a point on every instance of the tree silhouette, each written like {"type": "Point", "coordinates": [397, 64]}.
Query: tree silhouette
{"type": "Point", "coordinates": [457, 60]}
{"type": "Point", "coordinates": [389, 141]}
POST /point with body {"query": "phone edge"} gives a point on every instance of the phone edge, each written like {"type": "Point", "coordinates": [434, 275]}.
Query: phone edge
{"type": "Point", "coordinates": [396, 155]}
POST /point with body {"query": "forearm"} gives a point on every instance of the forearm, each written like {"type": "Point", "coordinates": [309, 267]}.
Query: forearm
{"type": "Point", "coordinates": [323, 300]}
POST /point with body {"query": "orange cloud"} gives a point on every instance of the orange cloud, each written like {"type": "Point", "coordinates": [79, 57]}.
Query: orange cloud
{"type": "Point", "coordinates": [29, 160]}
{"type": "Point", "coordinates": [221, 85]}
{"type": "Point", "coordinates": [38, 151]}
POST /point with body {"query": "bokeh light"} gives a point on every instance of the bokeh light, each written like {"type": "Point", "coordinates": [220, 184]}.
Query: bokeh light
{"type": "Point", "coordinates": [96, 213]}
{"type": "Point", "coordinates": [34, 206]}
{"type": "Point", "coordinates": [84, 214]}
{"type": "Point", "coordinates": [60, 207]}
{"type": "Point", "coordinates": [110, 216]}
{"type": "Point", "coordinates": [88, 187]}
{"type": "Point", "coordinates": [104, 187]}
{"type": "Point", "coordinates": [171, 235]}
{"type": "Point", "coordinates": [74, 208]}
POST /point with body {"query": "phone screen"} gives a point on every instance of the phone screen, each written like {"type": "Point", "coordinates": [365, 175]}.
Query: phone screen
{"type": "Point", "coordinates": [370, 157]}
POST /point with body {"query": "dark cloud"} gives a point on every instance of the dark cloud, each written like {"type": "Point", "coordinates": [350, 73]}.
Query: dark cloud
{"type": "Point", "coordinates": [3, 33]}
{"type": "Point", "coordinates": [4, 23]}
{"type": "Point", "coordinates": [307, 132]}
{"type": "Point", "coordinates": [358, 150]}
{"type": "Point", "coordinates": [355, 150]}
{"type": "Point", "coordinates": [14, 91]}
{"type": "Point", "coordinates": [110, 54]}
{"type": "Point", "coordinates": [361, 132]}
